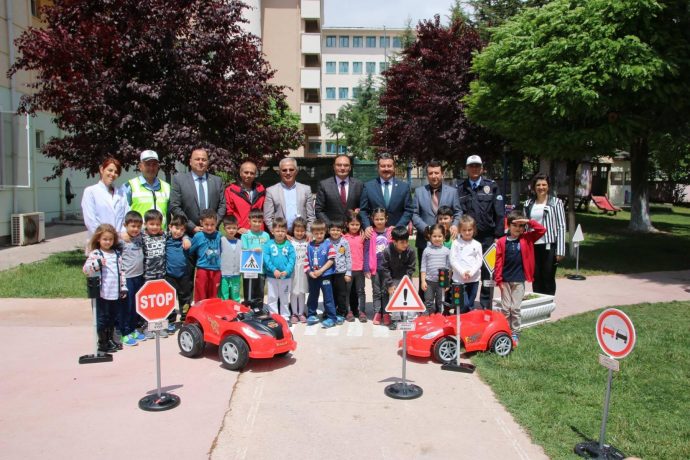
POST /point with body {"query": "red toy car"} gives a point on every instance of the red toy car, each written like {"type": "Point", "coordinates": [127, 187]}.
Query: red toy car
{"type": "Point", "coordinates": [239, 331]}
{"type": "Point", "coordinates": [481, 330]}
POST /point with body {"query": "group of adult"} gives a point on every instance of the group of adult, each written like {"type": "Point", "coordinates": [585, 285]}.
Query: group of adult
{"type": "Point", "coordinates": [193, 191]}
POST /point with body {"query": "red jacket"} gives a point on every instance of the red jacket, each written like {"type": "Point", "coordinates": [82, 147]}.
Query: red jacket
{"type": "Point", "coordinates": [237, 203]}
{"type": "Point", "coordinates": [527, 240]}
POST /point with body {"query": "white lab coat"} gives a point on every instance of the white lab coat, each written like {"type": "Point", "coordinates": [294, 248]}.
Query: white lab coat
{"type": "Point", "coordinates": [99, 206]}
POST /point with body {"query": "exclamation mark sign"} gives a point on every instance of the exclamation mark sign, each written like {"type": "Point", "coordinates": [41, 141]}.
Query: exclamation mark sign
{"type": "Point", "coordinates": [405, 296]}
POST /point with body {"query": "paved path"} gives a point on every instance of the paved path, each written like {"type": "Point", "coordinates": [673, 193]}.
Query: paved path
{"type": "Point", "coordinates": [11, 256]}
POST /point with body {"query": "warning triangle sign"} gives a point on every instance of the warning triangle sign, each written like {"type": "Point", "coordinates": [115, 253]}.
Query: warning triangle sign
{"type": "Point", "coordinates": [405, 298]}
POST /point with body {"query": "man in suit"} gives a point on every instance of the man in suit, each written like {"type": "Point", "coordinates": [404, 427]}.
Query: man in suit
{"type": "Point", "coordinates": [288, 198]}
{"type": "Point", "coordinates": [194, 191]}
{"type": "Point", "coordinates": [427, 200]}
{"type": "Point", "coordinates": [386, 192]}
{"type": "Point", "coordinates": [338, 194]}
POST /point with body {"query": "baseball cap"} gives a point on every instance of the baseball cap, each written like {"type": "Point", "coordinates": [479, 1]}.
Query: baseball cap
{"type": "Point", "coordinates": [148, 155]}
{"type": "Point", "coordinates": [473, 160]}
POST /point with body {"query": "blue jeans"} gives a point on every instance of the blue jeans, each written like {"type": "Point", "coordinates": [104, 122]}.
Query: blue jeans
{"type": "Point", "coordinates": [129, 319]}
{"type": "Point", "coordinates": [324, 286]}
{"type": "Point", "coordinates": [469, 293]}
{"type": "Point", "coordinates": [107, 311]}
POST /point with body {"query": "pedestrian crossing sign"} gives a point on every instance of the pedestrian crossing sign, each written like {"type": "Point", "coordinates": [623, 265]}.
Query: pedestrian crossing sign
{"type": "Point", "coordinates": [251, 262]}
{"type": "Point", "coordinates": [405, 298]}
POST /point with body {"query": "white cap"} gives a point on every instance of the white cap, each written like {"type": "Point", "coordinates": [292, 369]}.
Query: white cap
{"type": "Point", "coordinates": [473, 160]}
{"type": "Point", "coordinates": [148, 155]}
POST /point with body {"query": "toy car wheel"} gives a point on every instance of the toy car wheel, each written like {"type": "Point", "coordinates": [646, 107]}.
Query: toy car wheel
{"type": "Point", "coordinates": [445, 350]}
{"type": "Point", "coordinates": [234, 353]}
{"type": "Point", "coordinates": [282, 355]}
{"type": "Point", "coordinates": [501, 344]}
{"type": "Point", "coordinates": [191, 340]}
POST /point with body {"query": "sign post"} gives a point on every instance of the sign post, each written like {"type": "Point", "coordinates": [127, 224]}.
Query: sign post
{"type": "Point", "coordinates": [489, 259]}
{"type": "Point", "coordinates": [458, 299]}
{"type": "Point", "coordinates": [616, 336]}
{"type": "Point", "coordinates": [155, 300]}
{"type": "Point", "coordinates": [251, 266]}
{"type": "Point", "coordinates": [578, 237]}
{"type": "Point", "coordinates": [405, 299]}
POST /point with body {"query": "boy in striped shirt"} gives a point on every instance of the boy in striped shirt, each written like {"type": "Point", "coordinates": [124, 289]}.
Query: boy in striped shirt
{"type": "Point", "coordinates": [319, 267]}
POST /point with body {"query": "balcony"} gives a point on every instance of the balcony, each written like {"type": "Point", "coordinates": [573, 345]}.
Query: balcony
{"type": "Point", "coordinates": [310, 9]}
{"type": "Point", "coordinates": [310, 78]}
{"type": "Point", "coordinates": [311, 43]}
{"type": "Point", "coordinates": [310, 113]}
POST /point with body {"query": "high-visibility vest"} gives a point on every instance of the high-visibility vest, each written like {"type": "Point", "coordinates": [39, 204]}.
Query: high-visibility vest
{"type": "Point", "coordinates": [144, 199]}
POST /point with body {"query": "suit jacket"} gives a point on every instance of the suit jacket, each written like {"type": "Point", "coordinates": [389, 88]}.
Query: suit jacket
{"type": "Point", "coordinates": [399, 206]}
{"type": "Point", "coordinates": [274, 206]}
{"type": "Point", "coordinates": [328, 206]}
{"type": "Point", "coordinates": [184, 200]}
{"type": "Point", "coordinates": [423, 214]}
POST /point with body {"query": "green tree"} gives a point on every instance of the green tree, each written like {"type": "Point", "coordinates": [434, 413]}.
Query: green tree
{"type": "Point", "coordinates": [583, 77]}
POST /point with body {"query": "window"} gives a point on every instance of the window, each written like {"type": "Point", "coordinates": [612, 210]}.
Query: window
{"type": "Point", "coordinates": [330, 67]}
{"type": "Point", "coordinates": [330, 93]}
{"type": "Point", "coordinates": [397, 42]}
{"type": "Point", "coordinates": [357, 41]}
{"type": "Point", "coordinates": [356, 91]}
{"type": "Point", "coordinates": [357, 68]}
{"type": "Point", "coordinates": [40, 139]}
{"type": "Point", "coordinates": [330, 41]}
{"type": "Point", "coordinates": [344, 67]}
{"type": "Point", "coordinates": [344, 41]}
{"type": "Point", "coordinates": [34, 8]}
{"type": "Point", "coordinates": [371, 42]}
{"type": "Point", "coordinates": [331, 147]}
{"type": "Point", "coordinates": [314, 147]}
{"type": "Point", "coordinates": [384, 42]}
{"type": "Point", "coordinates": [383, 66]}
{"type": "Point", "coordinates": [343, 93]}
{"type": "Point", "coordinates": [371, 68]}
{"type": "Point", "coordinates": [330, 116]}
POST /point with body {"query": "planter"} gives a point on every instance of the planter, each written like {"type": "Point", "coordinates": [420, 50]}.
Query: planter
{"type": "Point", "coordinates": [535, 310]}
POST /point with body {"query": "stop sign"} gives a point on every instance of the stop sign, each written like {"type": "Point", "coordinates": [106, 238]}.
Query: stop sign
{"type": "Point", "coordinates": [155, 300]}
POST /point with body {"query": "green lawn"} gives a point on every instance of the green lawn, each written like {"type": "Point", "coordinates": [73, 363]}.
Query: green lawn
{"type": "Point", "coordinates": [58, 276]}
{"type": "Point", "coordinates": [554, 387]}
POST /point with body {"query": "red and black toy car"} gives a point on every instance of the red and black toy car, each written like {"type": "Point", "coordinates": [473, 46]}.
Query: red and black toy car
{"type": "Point", "coordinates": [481, 330]}
{"type": "Point", "coordinates": [239, 331]}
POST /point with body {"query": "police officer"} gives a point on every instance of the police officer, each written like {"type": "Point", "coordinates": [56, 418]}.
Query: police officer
{"type": "Point", "coordinates": [481, 199]}
{"type": "Point", "coordinates": [148, 191]}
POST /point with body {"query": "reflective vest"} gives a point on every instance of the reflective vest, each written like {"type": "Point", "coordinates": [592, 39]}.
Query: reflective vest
{"type": "Point", "coordinates": [144, 199]}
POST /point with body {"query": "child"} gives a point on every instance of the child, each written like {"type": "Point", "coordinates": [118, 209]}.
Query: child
{"type": "Point", "coordinates": [254, 240]}
{"type": "Point", "coordinates": [133, 269]}
{"type": "Point", "coordinates": [300, 285]}
{"type": "Point", "coordinates": [434, 257]}
{"type": "Point", "coordinates": [358, 251]}
{"type": "Point", "coordinates": [178, 272]}
{"type": "Point", "coordinates": [444, 216]}
{"type": "Point", "coordinates": [230, 256]}
{"type": "Point", "coordinates": [154, 253]}
{"type": "Point", "coordinates": [398, 260]}
{"type": "Point", "coordinates": [279, 263]}
{"type": "Point", "coordinates": [515, 265]}
{"type": "Point", "coordinates": [319, 268]}
{"type": "Point", "coordinates": [378, 242]}
{"type": "Point", "coordinates": [206, 249]}
{"type": "Point", "coordinates": [466, 261]}
{"type": "Point", "coordinates": [343, 268]}
{"type": "Point", "coordinates": [105, 259]}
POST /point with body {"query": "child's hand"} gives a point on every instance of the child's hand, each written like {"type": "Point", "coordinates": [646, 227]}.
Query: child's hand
{"type": "Point", "coordinates": [446, 289]}
{"type": "Point", "coordinates": [314, 275]}
{"type": "Point", "coordinates": [276, 273]}
{"type": "Point", "coordinates": [466, 276]}
{"type": "Point", "coordinates": [424, 286]}
{"type": "Point", "coordinates": [124, 236]}
{"type": "Point", "coordinates": [283, 274]}
{"type": "Point", "coordinates": [391, 290]}
{"type": "Point", "coordinates": [123, 294]}
{"type": "Point", "coordinates": [348, 279]}
{"type": "Point", "coordinates": [256, 249]}
{"type": "Point", "coordinates": [367, 275]}
{"type": "Point", "coordinates": [521, 221]}
{"type": "Point", "coordinates": [186, 243]}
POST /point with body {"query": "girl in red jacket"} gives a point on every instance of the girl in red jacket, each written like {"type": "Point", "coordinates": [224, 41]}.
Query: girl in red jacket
{"type": "Point", "coordinates": [515, 265]}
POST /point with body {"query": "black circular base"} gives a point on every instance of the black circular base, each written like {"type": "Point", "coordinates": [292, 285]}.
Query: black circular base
{"type": "Point", "coordinates": [99, 358]}
{"type": "Point", "coordinates": [154, 403]}
{"type": "Point", "coordinates": [591, 449]}
{"type": "Point", "coordinates": [403, 391]}
{"type": "Point", "coordinates": [576, 277]}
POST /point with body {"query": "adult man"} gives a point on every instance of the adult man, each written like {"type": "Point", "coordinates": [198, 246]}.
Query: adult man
{"type": "Point", "coordinates": [147, 191]}
{"type": "Point", "coordinates": [427, 200]}
{"type": "Point", "coordinates": [481, 199]}
{"type": "Point", "coordinates": [194, 191]}
{"type": "Point", "coordinates": [245, 195]}
{"type": "Point", "coordinates": [288, 198]}
{"type": "Point", "coordinates": [386, 192]}
{"type": "Point", "coordinates": [338, 194]}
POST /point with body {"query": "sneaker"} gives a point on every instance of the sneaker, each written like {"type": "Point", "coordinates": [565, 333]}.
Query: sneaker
{"type": "Point", "coordinates": [129, 341]}
{"type": "Point", "coordinates": [149, 335]}
{"type": "Point", "coordinates": [163, 334]}
{"type": "Point", "coordinates": [339, 320]}
{"type": "Point", "coordinates": [138, 336]}
{"type": "Point", "coordinates": [377, 319]}
{"type": "Point", "coordinates": [312, 320]}
{"type": "Point", "coordinates": [294, 319]}
{"type": "Point", "coordinates": [302, 319]}
{"type": "Point", "coordinates": [328, 323]}
{"type": "Point", "coordinates": [171, 328]}
{"type": "Point", "coordinates": [350, 317]}
{"type": "Point", "coordinates": [363, 317]}
{"type": "Point", "coordinates": [515, 339]}
{"type": "Point", "coordinates": [386, 319]}
{"type": "Point", "coordinates": [393, 326]}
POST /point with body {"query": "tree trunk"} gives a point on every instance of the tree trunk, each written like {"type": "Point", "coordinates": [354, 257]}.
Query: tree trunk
{"type": "Point", "coordinates": [639, 170]}
{"type": "Point", "coordinates": [515, 176]}
{"type": "Point", "coordinates": [571, 171]}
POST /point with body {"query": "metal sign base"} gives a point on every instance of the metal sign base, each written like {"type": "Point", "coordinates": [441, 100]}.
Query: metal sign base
{"type": "Point", "coordinates": [156, 403]}
{"type": "Point", "coordinates": [97, 358]}
{"type": "Point", "coordinates": [576, 277]}
{"type": "Point", "coordinates": [591, 449]}
{"type": "Point", "coordinates": [402, 390]}
{"type": "Point", "coordinates": [462, 367]}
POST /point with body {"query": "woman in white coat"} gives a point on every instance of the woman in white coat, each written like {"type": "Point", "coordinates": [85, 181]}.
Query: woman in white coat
{"type": "Point", "coordinates": [104, 202]}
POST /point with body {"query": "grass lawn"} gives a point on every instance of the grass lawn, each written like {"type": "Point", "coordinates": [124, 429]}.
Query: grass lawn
{"type": "Point", "coordinates": [610, 248]}
{"type": "Point", "coordinates": [554, 387]}
{"type": "Point", "coordinates": [58, 276]}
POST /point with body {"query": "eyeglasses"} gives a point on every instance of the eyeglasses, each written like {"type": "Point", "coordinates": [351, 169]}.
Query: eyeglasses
{"type": "Point", "coordinates": [288, 170]}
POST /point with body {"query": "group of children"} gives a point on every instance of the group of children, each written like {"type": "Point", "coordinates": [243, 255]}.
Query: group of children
{"type": "Point", "coordinates": [334, 263]}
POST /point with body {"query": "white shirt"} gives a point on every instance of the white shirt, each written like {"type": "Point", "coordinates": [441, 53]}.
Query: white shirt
{"type": "Point", "coordinates": [99, 206]}
{"type": "Point", "coordinates": [538, 215]}
{"type": "Point", "coordinates": [466, 256]}
{"type": "Point", "coordinates": [204, 185]}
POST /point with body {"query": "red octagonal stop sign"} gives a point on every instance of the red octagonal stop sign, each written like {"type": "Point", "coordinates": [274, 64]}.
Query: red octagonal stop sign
{"type": "Point", "coordinates": [155, 300]}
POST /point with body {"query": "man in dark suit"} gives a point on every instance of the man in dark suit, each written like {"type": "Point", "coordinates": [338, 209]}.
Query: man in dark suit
{"type": "Point", "coordinates": [194, 191]}
{"type": "Point", "coordinates": [386, 192]}
{"type": "Point", "coordinates": [338, 194]}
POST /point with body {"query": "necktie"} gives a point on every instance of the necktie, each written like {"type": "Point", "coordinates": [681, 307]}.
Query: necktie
{"type": "Point", "coordinates": [386, 192]}
{"type": "Point", "coordinates": [343, 196]}
{"type": "Point", "coordinates": [434, 200]}
{"type": "Point", "coordinates": [202, 194]}
{"type": "Point", "coordinates": [474, 186]}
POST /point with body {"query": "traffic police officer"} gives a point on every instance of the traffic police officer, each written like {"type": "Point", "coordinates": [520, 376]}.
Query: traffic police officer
{"type": "Point", "coordinates": [147, 191]}
{"type": "Point", "coordinates": [481, 199]}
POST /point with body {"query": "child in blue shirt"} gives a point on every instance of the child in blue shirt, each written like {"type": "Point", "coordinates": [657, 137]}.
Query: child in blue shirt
{"type": "Point", "coordinates": [206, 248]}
{"type": "Point", "coordinates": [254, 240]}
{"type": "Point", "coordinates": [177, 271]}
{"type": "Point", "coordinates": [319, 266]}
{"type": "Point", "coordinates": [279, 263]}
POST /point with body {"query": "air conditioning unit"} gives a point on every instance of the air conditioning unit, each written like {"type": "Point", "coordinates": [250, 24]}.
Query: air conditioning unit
{"type": "Point", "coordinates": [28, 228]}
